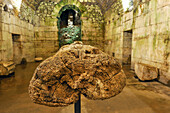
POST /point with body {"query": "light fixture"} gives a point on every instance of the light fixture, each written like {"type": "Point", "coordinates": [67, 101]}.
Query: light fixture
{"type": "Point", "coordinates": [10, 6]}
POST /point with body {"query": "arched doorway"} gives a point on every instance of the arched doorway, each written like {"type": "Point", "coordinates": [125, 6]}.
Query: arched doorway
{"type": "Point", "coordinates": [69, 25]}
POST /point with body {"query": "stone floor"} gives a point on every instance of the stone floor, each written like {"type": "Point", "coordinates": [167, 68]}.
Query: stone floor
{"type": "Point", "coordinates": [137, 97]}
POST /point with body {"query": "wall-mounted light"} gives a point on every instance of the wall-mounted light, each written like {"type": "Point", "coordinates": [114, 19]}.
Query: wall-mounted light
{"type": "Point", "coordinates": [10, 6]}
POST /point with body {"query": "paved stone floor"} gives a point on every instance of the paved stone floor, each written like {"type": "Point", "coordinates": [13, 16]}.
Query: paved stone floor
{"type": "Point", "coordinates": [137, 97]}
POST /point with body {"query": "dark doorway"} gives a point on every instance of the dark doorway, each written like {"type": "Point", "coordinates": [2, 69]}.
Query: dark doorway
{"type": "Point", "coordinates": [127, 47]}
{"type": "Point", "coordinates": [65, 16]}
{"type": "Point", "coordinates": [17, 48]}
{"type": "Point", "coordinates": [69, 25]}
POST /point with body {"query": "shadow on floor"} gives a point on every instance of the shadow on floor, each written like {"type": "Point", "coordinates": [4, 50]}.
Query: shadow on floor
{"type": "Point", "coordinates": [137, 97]}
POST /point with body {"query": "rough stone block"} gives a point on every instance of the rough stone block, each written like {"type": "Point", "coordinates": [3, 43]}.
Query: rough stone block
{"type": "Point", "coordinates": [38, 59]}
{"type": "Point", "coordinates": [162, 14]}
{"type": "Point", "coordinates": [127, 16]}
{"type": "Point", "coordinates": [161, 3]}
{"type": "Point", "coordinates": [28, 52]}
{"type": "Point", "coordinates": [6, 68]}
{"type": "Point", "coordinates": [164, 77]}
{"type": "Point", "coordinates": [128, 25]}
{"type": "Point", "coordinates": [0, 36]}
{"type": "Point", "coordinates": [5, 17]}
{"type": "Point", "coordinates": [139, 21]}
{"type": "Point", "coordinates": [76, 69]}
{"type": "Point", "coordinates": [36, 29]}
{"type": "Point", "coordinates": [146, 72]}
{"type": "Point", "coordinates": [5, 27]}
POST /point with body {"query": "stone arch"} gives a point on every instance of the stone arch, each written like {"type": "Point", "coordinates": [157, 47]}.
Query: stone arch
{"type": "Point", "coordinates": [65, 8]}
{"type": "Point", "coordinates": [68, 33]}
{"type": "Point", "coordinates": [63, 3]}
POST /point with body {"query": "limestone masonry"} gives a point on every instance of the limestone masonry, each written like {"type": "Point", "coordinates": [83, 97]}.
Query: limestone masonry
{"type": "Point", "coordinates": [139, 36]}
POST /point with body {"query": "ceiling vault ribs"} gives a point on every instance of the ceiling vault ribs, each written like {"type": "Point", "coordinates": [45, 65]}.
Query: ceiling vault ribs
{"type": "Point", "coordinates": [104, 5]}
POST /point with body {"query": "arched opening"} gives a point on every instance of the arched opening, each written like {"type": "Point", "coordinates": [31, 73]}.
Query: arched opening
{"type": "Point", "coordinates": [67, 18]}
{"type": "Point", "coordinates": [69, 25]}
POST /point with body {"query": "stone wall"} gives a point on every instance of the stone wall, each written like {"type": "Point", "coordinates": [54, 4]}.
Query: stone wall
{"type": "Point", "coordinates": [93, 26]}
{"type": "Point", "coordinates": [46, 41]}
{"type": "Point", "coordinates": [151, 36]}
{"type": "Point", "coordinates": [34, 32]}
{"type": "Point", "coordinates": [12, 25]}
{"type": "Point", "coordinates": [114, 31]}
{"type": "Point", "coordinates": [150, 24]}
{"type": "Point", "coordinates": [38, 31]}
{"type": "Point", "coordinates": [1, 5]}
{"type": "Point", "coordinates": [46, 30]}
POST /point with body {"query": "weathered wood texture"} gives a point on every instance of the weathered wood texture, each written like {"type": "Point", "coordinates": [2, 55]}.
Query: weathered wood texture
{"type": "Point", "coordinates": [75, 69]}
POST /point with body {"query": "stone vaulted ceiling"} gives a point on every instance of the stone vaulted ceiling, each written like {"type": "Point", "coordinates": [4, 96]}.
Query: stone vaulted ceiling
{"type": "Point", "coordinates": [103, 4]}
